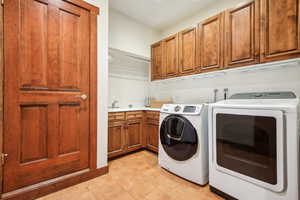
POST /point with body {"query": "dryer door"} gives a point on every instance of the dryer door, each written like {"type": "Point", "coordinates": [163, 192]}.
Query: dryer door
{"type": "Point", "coordinates": [249, 144]}
{"type": "Point", "coordinates": [178, 137]}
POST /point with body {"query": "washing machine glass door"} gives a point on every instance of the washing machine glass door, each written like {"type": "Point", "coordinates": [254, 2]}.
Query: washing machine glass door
{"type": "Point", "coordinates": [178, 137]}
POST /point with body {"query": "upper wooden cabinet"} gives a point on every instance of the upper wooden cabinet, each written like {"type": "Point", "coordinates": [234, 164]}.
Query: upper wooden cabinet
{"type": "Point", "coordinates": [280, 35]}
{"type": "Point", "coordinates": [242, 35]}
{"type": "Point", "coordinates": [187, 51]}
{"type": "Point", "coordinates": [211, 37]}
{"type": "Point", "coordinates": [257, 32]}
{"type": "Point", "coordinates": [156, 61]}
{"type": "Point", "coordinates": [171, 55]}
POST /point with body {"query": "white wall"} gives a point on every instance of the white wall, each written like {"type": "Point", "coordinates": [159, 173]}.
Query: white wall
{"type": "Point", "coordinates": [128, 35]}
{"type": "Point", "coordinates": [102, 81]}
{"type": "Point", "coordinates": [128, 91]}
{"type": "Point", "coordinates": [128, 79]}
{"type": "Point", "coordinates": [199, 90]}
{"type": "Point", "coordinates": [205, 13]}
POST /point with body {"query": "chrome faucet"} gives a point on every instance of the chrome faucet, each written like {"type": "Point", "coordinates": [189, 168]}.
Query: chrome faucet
{"type": "Point", "coordinates": [215, 95]}
{"type": "Point", "coordinates": [225, 93]}
{"type": "Point", "coordinates": [114, 103]}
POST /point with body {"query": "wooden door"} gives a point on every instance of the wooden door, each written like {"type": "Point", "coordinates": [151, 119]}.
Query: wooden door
{"type": "Point", "coordinates": [211, 33]}
{"type": "Point", "coordinates": [152, 135]}
{"type": "Point", "coordinates": [280, 29]}
{"type": "Point", "coordinates": [134, 139]}
{"type": "Point", "coordinates": [242, 35]}
{"type": "Point", "coordinates": [187, 51]}
{"type": "Point", "coordinates": [170, 57]}
{"type": "Point", "coordinates": [156, 61]}
{"type": "Point", "coordinates": [47, 63]}
{"type": "Point", "coordinates": [116, 138]}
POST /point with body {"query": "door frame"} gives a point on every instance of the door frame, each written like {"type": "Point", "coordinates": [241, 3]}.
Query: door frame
{"type": "Point", "coordinates": [1, 94]}
{"type": "Point", "coordinates": [92, 171]}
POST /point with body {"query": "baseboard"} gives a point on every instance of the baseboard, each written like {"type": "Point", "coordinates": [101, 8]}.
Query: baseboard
{"type": "Point", "coordinates": [153, 149]}
{"type": "Point", "coordinates": [47, 187]}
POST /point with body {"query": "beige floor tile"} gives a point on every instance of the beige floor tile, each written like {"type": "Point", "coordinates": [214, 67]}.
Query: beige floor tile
{"type": "Point", "coordinates": [158, 195]}
{"type": "Point", "coordinates": [135, 177]}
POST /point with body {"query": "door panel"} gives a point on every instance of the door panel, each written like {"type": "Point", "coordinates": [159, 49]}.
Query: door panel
{"type": "Point", "coordinates": [242, 35]}
{"type": "Point", "coordinates": [69, 128]}
{"type": "Point", "coordinates": [34, 44]}
{"type": "Point", "coordinates": [187, 51]}
{"type": "Point", "coordinates": [47, 123]}
{"type": "Point", "coordinates": [280, 32]}
{"type": "Point", "coordinates": [171, 55]}
{"type": "Point", "coordinates": [116, 139]}
{"type": "Point", "coordinates": [211, 43]}
{"type": "Point", "coordinates": [157, 61]}
{"type": "Point", "coordinates": [134, 135]}
{"type": "Point", "coordinates": [34, 125]}
{"type": "Point", "coordinates": [69, 66]}
{"type": "Point", "coordinates": [152, 135]}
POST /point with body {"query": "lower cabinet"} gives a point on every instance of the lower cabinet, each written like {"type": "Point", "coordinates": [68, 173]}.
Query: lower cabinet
{"type": "Point", "coordinates": [152, 127]}
{"type": "Point", "coordinates": [152, 130]}
{"type": "Point", "coordinates": [134, 136]}
{"type": "Point", "coordinates": [116, 138]}
{"type": "Point", "coordinates": [131, 131]}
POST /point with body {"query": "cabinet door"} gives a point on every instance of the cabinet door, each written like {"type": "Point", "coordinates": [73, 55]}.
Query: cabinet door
{"type": "Point", "coordinates": [171, 55]}
{"type": "Point", "coordinates": [280, 31]}
{"type": "Point", "coordinates": [242, 35]}
{"type": "Point", "coordinates": [156, 61]}
{"type": "Point", "coordinates": [152, 135]}
{"type": "Point", "coordinates": [211, 33]}
{"type": "Point", "coordinates": [187, 51]}
{"type": "Point", "coordinates": [116, 139]}
{"type": "Point", "coordinates": [134, 139]}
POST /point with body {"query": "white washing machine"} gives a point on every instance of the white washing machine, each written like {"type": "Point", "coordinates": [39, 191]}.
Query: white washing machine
{"type": "Point", "coordinates": [183, 141]}
{"type": "Point", "coordinates": [254, 146]}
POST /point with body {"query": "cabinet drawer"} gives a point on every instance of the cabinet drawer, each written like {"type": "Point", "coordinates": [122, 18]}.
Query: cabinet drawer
{"type": "Point", "coordinates": [134, 115]}
{"type": "Point", "coordinates": [152, 122]}
{"type": "Point", "coordinates": [154, 115]}
{"type": "Point", "coordinates": [116, 116]}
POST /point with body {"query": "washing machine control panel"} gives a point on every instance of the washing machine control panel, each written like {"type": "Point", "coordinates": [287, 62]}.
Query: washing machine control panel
{"type": "Point", "coordinates": [189, 109]}
{"type": "Point", "coordinates": [177, 108]}
{"type": "Point", "coordinates": [182, 109]}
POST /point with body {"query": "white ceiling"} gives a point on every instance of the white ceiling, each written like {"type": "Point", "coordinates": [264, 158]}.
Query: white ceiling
{"type": "Point", "coordinates": [159, 14]}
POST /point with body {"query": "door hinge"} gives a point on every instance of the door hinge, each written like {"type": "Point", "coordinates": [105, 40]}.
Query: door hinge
{"type": "Point", "coordinates": [3, 155]}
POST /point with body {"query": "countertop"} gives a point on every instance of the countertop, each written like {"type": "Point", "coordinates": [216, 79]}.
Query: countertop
{"type": "Point", "coordinates": [132, 109]}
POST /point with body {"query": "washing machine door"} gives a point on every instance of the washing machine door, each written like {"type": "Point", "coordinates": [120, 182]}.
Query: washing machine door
{"type": "Point", "coordinates": [178, 137]}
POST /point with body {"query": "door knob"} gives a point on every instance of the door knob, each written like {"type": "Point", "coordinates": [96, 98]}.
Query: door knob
{"type": "Point", "coordinates": [83, 96]}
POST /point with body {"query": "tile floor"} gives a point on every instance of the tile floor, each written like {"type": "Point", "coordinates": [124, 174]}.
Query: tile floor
{"type": "Point", "coordinates": [135, 177]}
